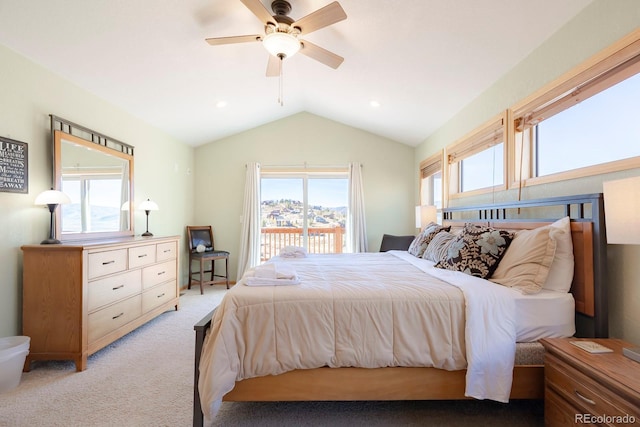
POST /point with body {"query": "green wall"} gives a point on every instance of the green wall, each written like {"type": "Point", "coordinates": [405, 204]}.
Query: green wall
{"type": "Point", "coordinates": [598, 26]}
{"type": "Point", "coordinates": [29, 94]}
{"type": "Point", "coordinates": [388, 174]}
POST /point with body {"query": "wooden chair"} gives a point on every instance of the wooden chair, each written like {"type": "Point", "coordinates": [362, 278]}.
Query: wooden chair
{"type": "Point", "coordinates": [201, 249]}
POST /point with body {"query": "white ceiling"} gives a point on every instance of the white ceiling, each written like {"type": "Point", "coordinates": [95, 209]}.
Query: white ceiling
{"type": "Point", "coordinates": [422, 60]}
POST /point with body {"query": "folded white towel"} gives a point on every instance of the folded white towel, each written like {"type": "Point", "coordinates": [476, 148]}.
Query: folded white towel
{"type": "Point", "coordinates": [275, 270]}
{"type": "Point", "coordinates": [293, 252]}
{"type": "Point", "coordinates": [262, 281]}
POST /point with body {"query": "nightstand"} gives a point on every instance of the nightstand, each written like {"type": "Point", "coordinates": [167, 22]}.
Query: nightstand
{"type": "Point", "coordinates": [583, 388]}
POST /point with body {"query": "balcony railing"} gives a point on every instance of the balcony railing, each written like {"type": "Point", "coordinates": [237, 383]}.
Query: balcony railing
{"type": "Point", "coordinates": [328, 240]}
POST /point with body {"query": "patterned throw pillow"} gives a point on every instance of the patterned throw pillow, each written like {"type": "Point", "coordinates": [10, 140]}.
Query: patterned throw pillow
{"type": "Point", "coordinates": [421, 241]}
{"type": "Point", "coordinates": [438, 247]}
{"type": "Point", "coordinates": [477, 250]}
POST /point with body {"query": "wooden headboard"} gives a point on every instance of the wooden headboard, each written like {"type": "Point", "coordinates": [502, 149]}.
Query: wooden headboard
{"type": "Point", "coordinates": [589, 245]}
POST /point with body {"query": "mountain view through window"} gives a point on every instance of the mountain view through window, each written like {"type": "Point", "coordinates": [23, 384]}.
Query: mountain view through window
{"type": "Point", "coordinates": [303, 211]}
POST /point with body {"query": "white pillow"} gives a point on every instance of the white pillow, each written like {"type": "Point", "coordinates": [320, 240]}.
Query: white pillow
{"type": "Point", "coordinates": [561, 270]}
{"type": "Point", "coordinates": [526, 264]}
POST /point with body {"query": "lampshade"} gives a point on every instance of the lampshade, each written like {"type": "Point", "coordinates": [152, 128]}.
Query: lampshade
{"type": "Point", "coordinates": [148, 205]}
{"type": "Point", "coordinates": [622, 210]}
{"type": "Point", "coordinates": [52, 197]}
{"type": "Point", "coordinates": [425, 214]}
{"type": "Point", "coordinates": [278, 43]}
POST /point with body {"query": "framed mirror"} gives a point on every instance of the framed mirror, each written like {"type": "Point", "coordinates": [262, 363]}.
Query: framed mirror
{"type": "Point", "coordinates": [99, 181]}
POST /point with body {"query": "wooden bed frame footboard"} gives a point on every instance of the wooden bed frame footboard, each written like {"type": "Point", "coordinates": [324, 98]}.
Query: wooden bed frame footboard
{"type": "Point", "coordinates": [358, 383]}
{"type": "Point", "coordinates": [331, 384]}
{"type": "Point", "coordinates": [201, 329]}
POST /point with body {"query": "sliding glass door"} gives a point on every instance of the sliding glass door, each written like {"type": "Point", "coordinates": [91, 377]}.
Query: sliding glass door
{"type": "Point", "coordinates": [303, 209]}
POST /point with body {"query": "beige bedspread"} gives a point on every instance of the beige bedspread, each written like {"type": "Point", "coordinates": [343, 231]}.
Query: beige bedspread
{"type": "Point", "coordinates": [368, 313]}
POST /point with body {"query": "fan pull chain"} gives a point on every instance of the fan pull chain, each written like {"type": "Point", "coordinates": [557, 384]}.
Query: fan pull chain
{"type": "Point", "coordinates": [280, 82]}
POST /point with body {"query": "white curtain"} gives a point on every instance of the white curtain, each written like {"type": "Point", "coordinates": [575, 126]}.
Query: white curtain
{"type": "Point", "coordinates": [356, 227]}
{"type": "Point", "coordinates": [250, 232]}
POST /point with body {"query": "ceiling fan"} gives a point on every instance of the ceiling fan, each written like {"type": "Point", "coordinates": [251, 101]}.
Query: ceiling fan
{"type": "Point", "coordinates": [281, 33]}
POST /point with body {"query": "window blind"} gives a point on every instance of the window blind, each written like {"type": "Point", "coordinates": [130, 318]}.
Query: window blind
{"type": "Point", "coordinates": [595, 79]}
{"type": "Point", "coordinates": [486, 137]}
{"type": "Point", "coordinates": [431, 165]}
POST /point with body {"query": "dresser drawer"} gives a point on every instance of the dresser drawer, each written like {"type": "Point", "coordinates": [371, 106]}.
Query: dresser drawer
{"type": "Point", "coordinates": [582, 392]}
{"type": "Point", "coordinates": [108, 262]}
{"type": "Point", "coordinates": [158, 295]}
{"type": "Point", "coordinates": [166, 251]}
{"type": "Point", "coordinates": [156, 274]}
{"type": "Point", "coordinates": [110, 318]}
{"type": "Point", "coordinates": [110, 289]}
{"type": "Point", "coordinates": [142, 255]}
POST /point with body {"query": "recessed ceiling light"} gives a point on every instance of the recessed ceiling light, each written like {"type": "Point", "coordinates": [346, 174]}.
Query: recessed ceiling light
{"type": "Point", "coordinates": [221, 104]}
{"type": "Point", "coordinates": [374, 103]}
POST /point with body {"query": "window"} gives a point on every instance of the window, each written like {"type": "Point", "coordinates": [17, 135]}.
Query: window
{"type": "Point", "coordinates": [482, 170]}
{"type": "Point", "coordinates": [476, 162]}
{"type": "Point", "coordinates": [303, 209]}
{"type": "Point", "coordinates": [101, 213]}
{"type": "Point", "coordinates": [585, 123]}
{"type": "Point", "coordinates": [603, 128]}
{"type": "Point", "coordinates": [431, 182]}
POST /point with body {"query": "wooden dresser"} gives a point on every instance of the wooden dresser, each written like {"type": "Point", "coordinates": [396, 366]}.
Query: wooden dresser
{"type": "Point", "coordinates": [79, 298]}
{"type": "Point", "coordinates": [583, 388]}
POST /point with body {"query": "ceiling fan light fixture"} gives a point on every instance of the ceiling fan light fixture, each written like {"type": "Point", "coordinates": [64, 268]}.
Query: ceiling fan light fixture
{"type": "Point", "coordinates": [281, 44]}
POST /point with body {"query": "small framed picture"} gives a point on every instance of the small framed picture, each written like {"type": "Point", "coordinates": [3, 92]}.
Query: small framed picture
{"type": "Point", "coordinates": [14, 166]}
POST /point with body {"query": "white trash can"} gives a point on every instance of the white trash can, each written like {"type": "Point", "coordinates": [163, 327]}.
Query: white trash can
{"type": "Point", "coordinates": [13, 351]}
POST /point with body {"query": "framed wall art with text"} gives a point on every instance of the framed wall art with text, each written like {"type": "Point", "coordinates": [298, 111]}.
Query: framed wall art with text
{"type": "Point", "coordinates": [14, 166]}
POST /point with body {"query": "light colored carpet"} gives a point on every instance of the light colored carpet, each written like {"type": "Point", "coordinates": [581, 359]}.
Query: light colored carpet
{"type": "Point", "coordinates": [143, 379]}
{"type": "Point", "coordinates": [381, 414]}
{"type": "Point", "coordinates": [146, 379]}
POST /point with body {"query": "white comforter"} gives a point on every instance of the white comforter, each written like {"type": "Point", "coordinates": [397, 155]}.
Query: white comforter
{"type": "Point", "coordinates": [366, 310]}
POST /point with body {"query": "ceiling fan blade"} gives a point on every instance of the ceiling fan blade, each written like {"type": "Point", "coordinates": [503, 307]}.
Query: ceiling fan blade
{"type": "Point", "coordinates": [273, 66]}
{"type": "Point", "coordinates": [260, 11]}
{"type": "Point", "coordinates": [320, 54]}
{"type": "Point", "coordinates": [234, 39]}
{"type": "Point", "coordinates": [330, 14]}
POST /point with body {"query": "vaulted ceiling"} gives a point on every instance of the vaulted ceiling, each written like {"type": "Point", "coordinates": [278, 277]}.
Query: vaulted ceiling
{"type": "Point", "coordinates": [422, 61]}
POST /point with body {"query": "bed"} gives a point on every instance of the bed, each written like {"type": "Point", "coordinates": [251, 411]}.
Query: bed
{"type": "Point", "coordinates": [338, 370]}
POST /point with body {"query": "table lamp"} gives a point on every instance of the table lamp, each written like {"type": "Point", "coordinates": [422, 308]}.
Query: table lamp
{"type": "Point", "coordinates": [148, 206]}
{"type": "Point", "coordinates": [425, 214]}
{"type": "Point", "coordinates": [52, 198]}
{"type": "Point", "coordinates": [622, 219]}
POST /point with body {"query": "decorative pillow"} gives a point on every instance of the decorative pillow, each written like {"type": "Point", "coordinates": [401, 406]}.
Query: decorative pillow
{"type": "Point", "coordinates": [525, 265]}
{"type": "Point", "coordinates": [561, 271]}
{"type": "Point", "coordinates": [438, 246]}
{"type": "Point", "coordinates": [477, 250]}
{"type": "Point", "coordinates": [419, 244]}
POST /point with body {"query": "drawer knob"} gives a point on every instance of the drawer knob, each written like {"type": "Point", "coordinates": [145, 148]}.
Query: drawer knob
{"type": "Point", "coordinates": [118, 287]}
{"type": "Point", "coordinates": [167, 250]}
{"type": "Point", "coordinates": [142, 256]}
{"type": "Point", "coordinates": [584, 398]}
{"type": "Point", "coordinates": [119, 315]}
{"type": "Point", "coordinates": [161, 272]}
{"type": "Point", "coordinates": [161, 295]}
{"type": "Point", "coordinates": [108, 262]}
